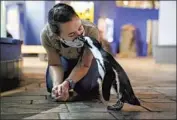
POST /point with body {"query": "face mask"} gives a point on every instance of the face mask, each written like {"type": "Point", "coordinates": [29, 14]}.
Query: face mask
{"type": "Point", "coordinates": [77, 43]}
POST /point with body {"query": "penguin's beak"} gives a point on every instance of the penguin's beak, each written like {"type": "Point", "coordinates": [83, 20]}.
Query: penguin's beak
{"type": "Point", "coordinates": [81, 38]}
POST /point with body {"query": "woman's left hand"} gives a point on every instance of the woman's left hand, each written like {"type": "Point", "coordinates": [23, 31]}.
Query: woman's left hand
{"type": "Point", "coordinates": [62, 91]}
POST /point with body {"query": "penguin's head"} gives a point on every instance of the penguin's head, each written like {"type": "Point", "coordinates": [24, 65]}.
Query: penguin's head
{"type": "Point", "coordinates": [90, 40]}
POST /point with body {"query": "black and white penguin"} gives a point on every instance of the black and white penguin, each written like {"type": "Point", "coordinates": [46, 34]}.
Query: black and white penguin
{"type": "Point", "coordinates": [111, 74]}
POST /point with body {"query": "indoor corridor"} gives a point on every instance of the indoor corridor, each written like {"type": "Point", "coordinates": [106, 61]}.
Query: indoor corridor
{"type": "Point", "coordinates": [154, 85]}
{"type": "Point", "coordinates": [140, 35]}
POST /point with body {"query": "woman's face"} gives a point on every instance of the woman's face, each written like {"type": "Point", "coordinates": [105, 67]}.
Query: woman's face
{"type": "Point", "coordinates": [72, 29]}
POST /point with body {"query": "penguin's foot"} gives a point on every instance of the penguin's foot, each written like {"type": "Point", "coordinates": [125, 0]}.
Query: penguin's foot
{"type": "Point", "coordinates": [117, 107]}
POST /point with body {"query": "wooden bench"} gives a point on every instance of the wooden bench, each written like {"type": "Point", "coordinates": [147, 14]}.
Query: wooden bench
{"type": "Point", "coordinates": [35, 49]}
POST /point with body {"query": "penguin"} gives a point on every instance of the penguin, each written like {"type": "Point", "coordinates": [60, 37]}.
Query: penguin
{"type": "Point", "coordinates": [111, 74]}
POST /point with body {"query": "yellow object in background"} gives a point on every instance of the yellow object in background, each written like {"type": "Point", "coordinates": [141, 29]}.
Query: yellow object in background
{"type": "Point", "coordinates": [84, 9]}
{"type": "Point", "coordinates": [87, 14]}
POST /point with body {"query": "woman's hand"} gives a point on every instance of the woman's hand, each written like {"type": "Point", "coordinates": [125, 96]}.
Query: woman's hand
{"type": "Point", "coordinates": [61, 91]}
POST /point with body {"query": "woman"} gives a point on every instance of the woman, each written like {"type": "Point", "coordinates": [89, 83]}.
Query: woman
{"type": "Point", "coordinates": [70, 65]}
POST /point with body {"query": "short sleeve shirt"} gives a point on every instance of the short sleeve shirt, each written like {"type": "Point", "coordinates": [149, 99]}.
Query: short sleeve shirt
{"type": "Point", "coordinates": [55, 48]}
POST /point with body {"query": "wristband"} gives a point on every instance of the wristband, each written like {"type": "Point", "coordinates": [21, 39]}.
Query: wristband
{"type": "Point", "coordinates": [71, 83]}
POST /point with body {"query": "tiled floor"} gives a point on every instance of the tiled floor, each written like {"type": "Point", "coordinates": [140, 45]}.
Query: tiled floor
{"type": "Point", "coordinates": [154, 84]}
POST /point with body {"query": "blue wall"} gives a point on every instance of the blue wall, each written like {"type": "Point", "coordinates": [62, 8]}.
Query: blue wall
{"type": "Point", "coordinates": [48, 6]}
{"type": "Point", "coordinates": [104, 8]}
{"type": "Point", "coordinates": [22, 21]}
{"type": "Point", "coordinates": [137, 17]}
{"type": "Point", "coordinates": [21, 9]}
{"type": "Point", "coordinates": [35, 16]}
{"type": "Point", "coordinates": [34, 21]}
{"type": "Point", "coordinates": [121, 16]}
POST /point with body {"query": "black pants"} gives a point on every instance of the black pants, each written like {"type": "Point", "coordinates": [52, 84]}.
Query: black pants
{"type": "Point", "coordinates": [87, 86]}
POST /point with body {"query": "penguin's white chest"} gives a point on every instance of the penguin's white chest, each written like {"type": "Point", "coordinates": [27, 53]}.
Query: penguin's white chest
{"type": "Point", "coordinates": [99, 59]}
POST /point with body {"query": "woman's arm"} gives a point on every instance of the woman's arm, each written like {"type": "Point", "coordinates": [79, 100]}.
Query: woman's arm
{"type": "Point", "coordinates": [54, 61]}
{"type": "Point", "coordinates": [82, 67]}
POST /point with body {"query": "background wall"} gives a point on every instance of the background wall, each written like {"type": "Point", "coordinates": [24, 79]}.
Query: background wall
{"type": "Point", "coordinates": [34, 18]}
{"type": "Point", "coordinates": [138, 18]}
{"type": "Point", "coordinates": [167, 23]}
{"type": "Point", "coordinates": [3, 19]}
{"type": "Point", "coordinates": [122, 16]}
{"type": "Point", "coordinates": [165, 50]}
{"type": "Point", "coordinates": [34, 21]}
